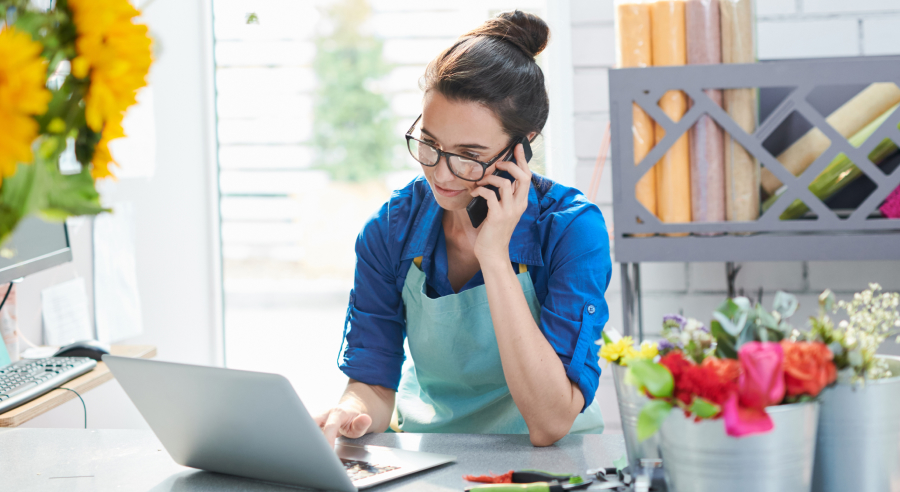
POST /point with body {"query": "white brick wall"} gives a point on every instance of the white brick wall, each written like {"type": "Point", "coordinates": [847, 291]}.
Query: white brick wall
{"type": "Point", "coordinates": [786, 29]}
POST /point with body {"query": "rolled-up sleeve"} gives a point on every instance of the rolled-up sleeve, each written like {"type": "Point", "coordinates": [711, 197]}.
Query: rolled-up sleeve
{"type": "Point", "coordinates": [574, 311]}
{"type": "Point", "coordinates": [374, 329]}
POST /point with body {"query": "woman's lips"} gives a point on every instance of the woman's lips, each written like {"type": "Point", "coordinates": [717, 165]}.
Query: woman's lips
{"type": "Point", "coordinates": [446, 192]}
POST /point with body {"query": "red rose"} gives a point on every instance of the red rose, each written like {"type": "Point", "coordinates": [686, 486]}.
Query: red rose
{"type": "Point", "coordinates": [808, 367]}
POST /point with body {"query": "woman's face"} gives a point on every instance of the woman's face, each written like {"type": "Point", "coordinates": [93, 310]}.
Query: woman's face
{"type": "Point", "coordinates": [465, 128]}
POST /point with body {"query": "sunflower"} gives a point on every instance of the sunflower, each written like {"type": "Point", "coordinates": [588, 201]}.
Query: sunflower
{"type": "Point", "coordinates": [115, 53]}
{"type": "Point", "coordinates": [22, 95]}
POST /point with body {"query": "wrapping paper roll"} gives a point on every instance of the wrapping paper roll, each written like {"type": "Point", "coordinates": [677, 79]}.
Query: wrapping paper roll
{"type": "Point", "coordinates": [667, 18]}
{"type": "Point", "coordinates": [742, 172]}
{"type": "Point", "coordinates": [706, 138]}
{"type": "Point", "coordinates": [633, 50]}
{"type": "Point", "coordinates": [848, 119]}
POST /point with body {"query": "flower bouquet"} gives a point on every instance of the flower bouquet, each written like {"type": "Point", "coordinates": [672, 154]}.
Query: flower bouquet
{"type": "Point", "coordinates": [67, 76]}
{"type": "Point", "coordinates": [744, 391]}
{"type": "Point", "coordinates": [618, 352]}
{"type": "Point", "coordinates": [859, 422]}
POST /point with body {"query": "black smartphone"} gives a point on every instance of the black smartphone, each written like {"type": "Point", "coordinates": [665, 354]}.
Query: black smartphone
{"type": "Point", "coordinates": [478, 207]}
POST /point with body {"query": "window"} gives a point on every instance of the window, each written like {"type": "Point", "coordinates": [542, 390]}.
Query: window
{"type": "Point", "coordinates": [288, 222]}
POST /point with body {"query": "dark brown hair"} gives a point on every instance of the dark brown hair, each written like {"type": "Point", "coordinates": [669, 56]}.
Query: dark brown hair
{"type": "Point", "coordinates": [494, 65]}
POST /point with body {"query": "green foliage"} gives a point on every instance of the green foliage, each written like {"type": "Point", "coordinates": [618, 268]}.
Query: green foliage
{"type": "Point", "coordinates": [704, 408]}
{"type": "Point", "coordinates": [651, 418]}
{"type": "Point", "coordinates": [737, 322]}
{"type": "Point", "coordinates": [653, 377]}
{"type": "Point", "coordinates": [354, 129]}
{"type": "Point", "coordinates": [40, 188]}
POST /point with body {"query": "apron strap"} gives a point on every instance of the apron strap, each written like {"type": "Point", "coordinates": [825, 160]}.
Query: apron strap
{"type": "Point", "coordinates": [523, 268]}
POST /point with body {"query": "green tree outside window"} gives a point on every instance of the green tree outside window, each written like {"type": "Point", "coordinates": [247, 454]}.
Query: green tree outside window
{"type": "Point", "coordinates": [353, 134]}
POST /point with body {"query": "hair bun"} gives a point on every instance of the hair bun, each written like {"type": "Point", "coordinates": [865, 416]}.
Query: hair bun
{"type": "Point", "coordinates": [527, 31]}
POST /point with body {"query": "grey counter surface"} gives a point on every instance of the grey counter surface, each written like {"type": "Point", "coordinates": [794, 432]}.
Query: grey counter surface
{"type": "Point", "coordinates": [75, 460]}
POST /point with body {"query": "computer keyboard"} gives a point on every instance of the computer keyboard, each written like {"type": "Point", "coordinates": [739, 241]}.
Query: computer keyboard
{"type": "Point", "coordinates": [357, 470]}
{"type": "Point", "coordinates": [27, 379]}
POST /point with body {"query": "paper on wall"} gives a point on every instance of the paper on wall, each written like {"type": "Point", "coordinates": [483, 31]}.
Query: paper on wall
{"type": "Point", "coordinates": [116, 298]}
{"type": "Point", "coordinates": [136, 153]}
{"type": "Point", "coordinates": [64, 309]}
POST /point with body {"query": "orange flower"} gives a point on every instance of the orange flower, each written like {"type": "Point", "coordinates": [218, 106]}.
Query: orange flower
{"type": "Point", "coordinates": [808, 367]}
{"type": "Point", "coordinates": [727, 369]}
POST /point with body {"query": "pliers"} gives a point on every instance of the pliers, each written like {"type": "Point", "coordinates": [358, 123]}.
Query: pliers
{"type": "Point", "coordinates": [535, 481]}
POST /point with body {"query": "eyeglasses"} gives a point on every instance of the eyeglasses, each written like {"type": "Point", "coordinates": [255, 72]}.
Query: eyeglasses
{"type": "Point", "coordinates": [462, 167]}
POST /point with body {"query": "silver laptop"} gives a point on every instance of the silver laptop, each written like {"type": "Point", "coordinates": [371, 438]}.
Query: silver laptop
{"type": "Point", "coordinates": [252, 425]}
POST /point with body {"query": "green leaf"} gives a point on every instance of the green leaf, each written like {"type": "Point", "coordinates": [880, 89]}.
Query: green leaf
{"type": "Point", "coordinates": [725, 342]}
{"type": "Point", "coordinates": [606, 338]}
{"type": "Point", "coordinates": [748, 334]}
{"type": "Point", "coordinates": [765, 318]}
{"type": "Point", "coordinates": [704, 408]}
{"type": "Point", "coordinates": [652, 415]}
{"type": "Point", "coordinates": [826, 301]}
{"type": "Point", "coordinates": [655, 377]}
{"type": "Point", "coordinates": [621, 463]}
{"type": "Point", "coordinates": [785, 304]}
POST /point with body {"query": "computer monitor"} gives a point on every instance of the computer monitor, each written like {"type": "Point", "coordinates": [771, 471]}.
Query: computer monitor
{"type": "Point", "coordinates": [35, 245]}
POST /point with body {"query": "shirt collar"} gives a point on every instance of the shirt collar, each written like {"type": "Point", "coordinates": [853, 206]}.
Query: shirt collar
{"type": "Point", "coordinates": [524, 246]}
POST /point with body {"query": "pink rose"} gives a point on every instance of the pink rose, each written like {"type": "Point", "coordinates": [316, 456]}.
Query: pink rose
{"type": "Point", "coordinates": [762, 374]}
{"type": "Point", "coordinates": [760, 384]}
{"type": "Point", "coordinates": [742, 421]}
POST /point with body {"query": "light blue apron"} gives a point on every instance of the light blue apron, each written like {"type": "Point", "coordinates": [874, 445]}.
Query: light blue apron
{"type": "Point", "coordinates": [453, 382]}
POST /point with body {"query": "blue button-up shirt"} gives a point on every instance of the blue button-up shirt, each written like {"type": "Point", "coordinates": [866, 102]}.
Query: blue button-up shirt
{"type": "Point", "coordinates": [562, 238]}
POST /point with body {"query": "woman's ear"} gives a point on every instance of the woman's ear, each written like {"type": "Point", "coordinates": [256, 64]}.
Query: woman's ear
{"type": "Point", "coordinates": [531, 136]}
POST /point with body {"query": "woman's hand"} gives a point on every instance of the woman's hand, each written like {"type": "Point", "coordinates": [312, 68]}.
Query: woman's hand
{"type": "Point", "coordinates": [363, 408]}
{"type": "Point", "coordinates": [492, 243]}
{"type": "Point", "coordinates": [346, 420]}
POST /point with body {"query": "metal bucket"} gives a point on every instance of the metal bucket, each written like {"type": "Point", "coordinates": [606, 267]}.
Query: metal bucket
{"type": "Point", "coordinates": [701, 457]}
{"type": "Point", "coordinates": [630, 403]}
{"type": "Point", "coordinates": [859, 436]}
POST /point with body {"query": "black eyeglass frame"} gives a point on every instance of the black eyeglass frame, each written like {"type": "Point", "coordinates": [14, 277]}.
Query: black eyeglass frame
{"type": "Point", "coordinates": [441, 153]}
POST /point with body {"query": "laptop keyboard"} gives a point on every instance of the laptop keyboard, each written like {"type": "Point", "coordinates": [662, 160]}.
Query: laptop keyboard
{"type": "Point", "coordinates": [358, 470]}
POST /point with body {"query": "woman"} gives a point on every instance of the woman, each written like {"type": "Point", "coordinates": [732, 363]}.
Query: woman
{"type": "Point", "coordinates": [501, 319]}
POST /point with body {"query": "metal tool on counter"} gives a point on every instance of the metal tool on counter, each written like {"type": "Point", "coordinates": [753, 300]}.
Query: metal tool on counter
{"type": "Point", "coordinates": [539, 481]}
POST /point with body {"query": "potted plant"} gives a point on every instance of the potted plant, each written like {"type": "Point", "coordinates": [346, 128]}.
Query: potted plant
{"type": "Point", "coordinates": [618, 351]}
{"type": "Point", "coordinates": [741, 416]}
{"type": "Point", "coordinates": [859, 421]}
{"type": "Point", "coordinates": [67, 77]}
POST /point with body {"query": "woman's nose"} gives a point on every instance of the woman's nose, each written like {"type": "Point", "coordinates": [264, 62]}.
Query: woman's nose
{"type": "Point", "coordinates": [442, 172]}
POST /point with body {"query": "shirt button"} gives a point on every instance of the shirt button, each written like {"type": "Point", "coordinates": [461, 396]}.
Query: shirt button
{"type": "Point", "coordinates": [591, 309]}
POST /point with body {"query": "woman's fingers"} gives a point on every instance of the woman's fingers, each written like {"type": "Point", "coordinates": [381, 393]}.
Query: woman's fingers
{"type": "Point", "coordinates": [358, 426]}
{"type": "Point", "coordinates": [322, 418]}
{"type": "Point", "coordinates": [503, 184]}
{"type": "Point", "coordinates": [488, 195]}
{"type": "Point", "coordinates": [521, 162]}
{"type": "Point", "coordinates": [340, 422]}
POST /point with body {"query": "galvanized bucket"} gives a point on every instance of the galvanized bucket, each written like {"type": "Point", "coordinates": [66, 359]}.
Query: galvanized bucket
{"type": "Point", "coordinates": [630, 403]}
{"type": "Point", "coordinates": [859, 436]}
{"type": "Point", "coordinates": [701, 457]}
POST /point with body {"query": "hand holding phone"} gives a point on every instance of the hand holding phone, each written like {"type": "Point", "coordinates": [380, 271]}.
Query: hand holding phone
{"type": "Point", "coordinates": [478, 207]}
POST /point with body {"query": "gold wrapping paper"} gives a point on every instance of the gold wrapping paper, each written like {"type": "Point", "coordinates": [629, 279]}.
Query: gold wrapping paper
{"type": "Point", "coordinates": [633, 50]}
{"type": "Point", "coordinates": [742, 172]}
{"type": "Point", "coordinates": [667, 18]}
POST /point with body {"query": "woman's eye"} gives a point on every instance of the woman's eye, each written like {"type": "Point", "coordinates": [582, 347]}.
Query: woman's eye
{"type": "Point", "coordinates": [471, 155]}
